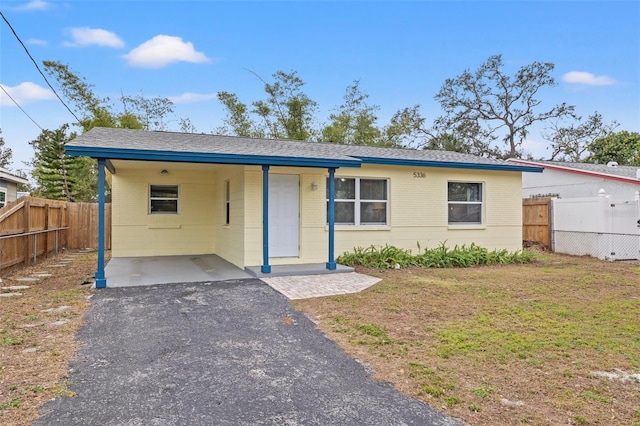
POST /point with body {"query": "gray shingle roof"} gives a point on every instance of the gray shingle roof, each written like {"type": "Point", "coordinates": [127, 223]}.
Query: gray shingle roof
{"type": "Point", "coordinates": [115, 143]}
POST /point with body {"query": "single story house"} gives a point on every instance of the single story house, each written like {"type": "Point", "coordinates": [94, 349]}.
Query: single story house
{"type": "Point", "coordinates": [272, 202]}
{"type": "Point", "coordinates": [574, 180]}
{"type": "Point", "coordinates": [9, 186]}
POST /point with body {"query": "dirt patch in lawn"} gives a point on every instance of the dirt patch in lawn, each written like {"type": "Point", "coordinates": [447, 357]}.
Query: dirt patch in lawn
{"type": "Point", "coordinates": [37, 329]}
{"type": "Point", "coordinates": [507, 345]}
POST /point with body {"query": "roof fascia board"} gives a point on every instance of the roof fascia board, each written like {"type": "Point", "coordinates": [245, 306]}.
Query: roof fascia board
{"type": "Point", "coordinates": [13, 178]}
{"type": "Point", "coordinates": [449, 164]}
{"type": "Point", "coordinates": [191, 157]}
{"type": "Point", "coordinates": [582, 172]}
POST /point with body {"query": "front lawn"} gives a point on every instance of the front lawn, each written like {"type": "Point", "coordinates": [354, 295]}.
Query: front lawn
{"type": "Point", "coordinates": [553, 342]}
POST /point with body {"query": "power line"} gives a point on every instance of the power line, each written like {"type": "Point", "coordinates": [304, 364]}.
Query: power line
{"type": "Point", "coordinates": [18, 105]}
{"type": "Point", "coordinates": [37, 67]}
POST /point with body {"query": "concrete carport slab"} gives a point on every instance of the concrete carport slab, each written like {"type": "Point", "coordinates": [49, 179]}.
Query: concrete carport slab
{"type": "Point", "coordinates": [144, 271]}
{"type": "Point", "coordinates": [218, 353]}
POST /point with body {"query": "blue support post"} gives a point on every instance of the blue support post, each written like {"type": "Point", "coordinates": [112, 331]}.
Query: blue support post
{"type": "Point", "coordinates": [265, 268]}
{"type": "Point", "coordinates": [101, 281]}
{"type": "Point", "coordinates": [331, 264]}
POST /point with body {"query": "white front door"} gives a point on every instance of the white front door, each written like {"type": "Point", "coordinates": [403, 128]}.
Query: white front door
{"type": "Point", "coordinates": [284, 215]}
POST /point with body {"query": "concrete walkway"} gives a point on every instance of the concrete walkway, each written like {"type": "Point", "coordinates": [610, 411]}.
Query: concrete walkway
{"type": "Point", "coordinates": [308, 286]}
{"type": "Point", "coordinates": [223, 353]}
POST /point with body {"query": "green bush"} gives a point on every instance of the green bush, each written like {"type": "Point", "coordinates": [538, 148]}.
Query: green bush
{"type": "Point", "coordinates": [389, 257]}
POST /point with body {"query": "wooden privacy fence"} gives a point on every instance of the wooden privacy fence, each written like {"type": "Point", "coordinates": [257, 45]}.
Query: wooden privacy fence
{"type": "Point", "coordinates": [536, 222]}
{"type": "Point", "coordinates": [83, 225]}
{"type": "Point", "coordinates": [31, 228]}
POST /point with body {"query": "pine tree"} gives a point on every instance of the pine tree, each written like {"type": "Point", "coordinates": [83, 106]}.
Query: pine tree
{"type": "Point", "coordinates": [59, 176]}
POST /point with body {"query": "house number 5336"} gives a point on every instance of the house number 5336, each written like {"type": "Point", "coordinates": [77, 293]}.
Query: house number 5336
{"type": "Point", "coordinates": [419, 175]}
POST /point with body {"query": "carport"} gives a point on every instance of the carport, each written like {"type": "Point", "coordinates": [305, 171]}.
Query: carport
{"type": "Point", "coordinates": [109, 145]}
{"type": "Point", "coordinates": [150, 270]}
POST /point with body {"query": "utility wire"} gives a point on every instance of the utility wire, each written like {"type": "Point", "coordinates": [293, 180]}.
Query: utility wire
{"type": "Point", "coordinates": [37, 67]}
{"type": "Point", "coordinates": [21, 109]}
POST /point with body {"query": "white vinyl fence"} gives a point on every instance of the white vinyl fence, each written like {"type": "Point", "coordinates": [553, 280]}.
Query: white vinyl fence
{"type": "Point", "coordinates": [600, 226]}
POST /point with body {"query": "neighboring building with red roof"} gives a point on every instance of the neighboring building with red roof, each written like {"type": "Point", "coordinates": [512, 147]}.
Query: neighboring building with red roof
{"type": "Point", "coordinates": [572, 180]}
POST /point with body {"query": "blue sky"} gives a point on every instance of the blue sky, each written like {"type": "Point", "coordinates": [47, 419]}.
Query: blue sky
{"type": "Point", "coordinates": [400, 51]}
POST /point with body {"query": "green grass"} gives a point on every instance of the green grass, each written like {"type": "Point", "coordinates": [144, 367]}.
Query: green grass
{"type": "Point", "coordinates": [14, 403]}
{"type": "Point", "coordinates": [466, 338]}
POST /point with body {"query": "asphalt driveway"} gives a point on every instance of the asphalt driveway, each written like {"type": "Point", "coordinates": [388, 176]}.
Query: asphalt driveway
{"type": "Point", "coordinates": [221, 353]}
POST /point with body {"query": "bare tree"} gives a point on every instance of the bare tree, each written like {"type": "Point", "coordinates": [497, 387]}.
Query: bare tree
{"type": "Point", "coordinates": [571, 142]}
{"type": "Point", "coordinates": [496, 106]}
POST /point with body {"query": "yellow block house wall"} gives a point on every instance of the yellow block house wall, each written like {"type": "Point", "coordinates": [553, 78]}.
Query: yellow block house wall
{"type": "Point", "coordinates": [136, 232]}
{"type": "Point", "coordinates": [417, 212]}
{"type": "Point", "coordinates": [229, 238]}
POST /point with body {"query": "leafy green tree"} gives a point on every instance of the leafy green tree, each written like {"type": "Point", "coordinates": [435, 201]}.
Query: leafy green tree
{"type": "Point", "coordinates": [75, 179]}
{"type": "Point", "coordinates": [238, 121]}
{"type": "Point", "coordinates": [138, 111]}
{"type": "Point", "coordinates": [407, 127]}
{"type": "Point", "coordinates": [622, 147]}
{"type": "Point", "coordinates": [490, 105]}
{"type": "Point", "coordinates": [354, 121]}
{"type": "Point", "coordinates": [286, 113]}
{"type": "Point", "coordinates": [151, 113]}
{"type": "Point", "coordinates": [447, 142]}
{"type": "Point", "coordinates": [570, 142]}
{"type": "Point", "coordinates": [6, 154]}
{"type": "Point", "coordinates": [186, 126]}
{"type": "Point", "coordinates": [57, 175]}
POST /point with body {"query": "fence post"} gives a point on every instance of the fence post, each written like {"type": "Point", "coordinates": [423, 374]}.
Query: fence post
{"type": "Point", "coordinates": [45, 245]}
{"type": "Point", "coordinates": [65, 232]}
{"type": "Point", "coordinates": [27, 228]}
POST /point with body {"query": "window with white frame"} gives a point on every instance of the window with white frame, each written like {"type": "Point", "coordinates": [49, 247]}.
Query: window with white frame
{"type": "Point", "coordinates": [163, 199]}
{"type": "Point", "coordinates": [465, 203]}
{"type": "Point", "coordinates": [227, 202]}
{"type": "Point", "coordinates": [360, 201]}
{"type": "Point", "coordinates": [3, 197]}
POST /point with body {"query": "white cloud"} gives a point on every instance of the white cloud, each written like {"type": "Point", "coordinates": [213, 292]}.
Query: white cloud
{"type": "Point", "coordinates": [36, 42]}
{"type": "Point", "coordinates": [32, 5]}
{"type": "Point", "coordinates": [86, 36]}
{"type": "Point", "coordinates": [190, 98]}
{"type": "Point", "coordinates": [582, 77]}
{"type": "Point", "coordinates": [24, 93]}
{"type": "Point", "coordinates": [163, 50]}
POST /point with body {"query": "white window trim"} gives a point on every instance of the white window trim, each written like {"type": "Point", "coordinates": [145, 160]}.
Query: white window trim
{"type": "Point", "coordinates": [163, 198]}
{"type": "Point", "coordinates": [4, 191]}
{"type": "Point", "coordinates": [357, 201]}
{"type": "Point", "coordinates": [468, 225]}
{"type": "Point", "coordinates": [227, 202]}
